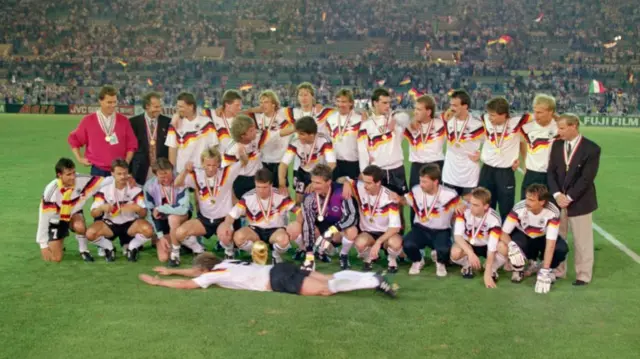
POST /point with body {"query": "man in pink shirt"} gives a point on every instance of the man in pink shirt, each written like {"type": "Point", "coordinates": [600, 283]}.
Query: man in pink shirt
{"type": "Point", "coordinates": [106, 136]}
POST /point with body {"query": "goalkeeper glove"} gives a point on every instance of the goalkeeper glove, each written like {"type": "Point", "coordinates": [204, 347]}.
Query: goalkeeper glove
{"type": "Point", "coordinates": [543, 283]}
{"type": "Point", "coordinates": [516, 258]}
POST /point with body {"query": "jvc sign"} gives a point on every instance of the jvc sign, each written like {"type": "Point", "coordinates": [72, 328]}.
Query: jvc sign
{"type": "Point", "coordinates": [610, 121]}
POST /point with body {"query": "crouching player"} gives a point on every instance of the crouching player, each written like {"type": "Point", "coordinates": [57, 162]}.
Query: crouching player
{"type": "Point", "coordinates": [122, 210]}
{"type": "Point", "coordinates": [281, 277]}
{"type": "Point", "coordinates": [531, 232]}
{"type": "Point", "coordinates": [167, 207]}
{"type": "Point", "coordinates": [477, 234]}
{"type": "Point", "coordinates": [61, 211]}
{"type": "Point", "coordinates": [267, 213]}
{"type": "Point", "coordinates": [329, 216]}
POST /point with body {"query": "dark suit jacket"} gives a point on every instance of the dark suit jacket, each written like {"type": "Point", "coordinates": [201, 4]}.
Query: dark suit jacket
{"type": "Point", "coordinates": [578, 182]}
{"type": "Point", "coordinates": [140, 163]}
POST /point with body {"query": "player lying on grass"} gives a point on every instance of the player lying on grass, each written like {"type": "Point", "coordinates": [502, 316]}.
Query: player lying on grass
{"type": "Point", "coordinates": [208, 270]}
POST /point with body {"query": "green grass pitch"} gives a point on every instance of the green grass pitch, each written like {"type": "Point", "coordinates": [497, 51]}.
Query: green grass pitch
{"type": "Point", "coordinates": [100, 310]}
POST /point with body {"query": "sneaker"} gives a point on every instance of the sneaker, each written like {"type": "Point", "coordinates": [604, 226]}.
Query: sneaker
{"type": "Point", "coordinates": [110, 255]}
{"type": "Point", "coordinates": [517, 276]}
{"type": "Point", "coordinates": [101, 252]}
{"type": "Point", "coordinates": [86, 256]}
{"type": "Point", "coordinates": [132, 255]}
{"type": "Point", "coordinates": [386, 287]}
{"type": "Point", "coordinates": [495, 277]}
{"type": "Point", "coordinates": [532, 268]}
{"type": "Point", "coordinates": [174, 262]}
{"type": "Point", "coordinates": [324, 258]}
{"type": "Point", "coordinates": [416, 267]}
{"type": "Point", "coordinates": [467, 272]}
{"type": "Point", "coordinates": [344, 262]}
{"type": "Point", "coordinates": [392, 267]}
{"type": "Point", "coordinates": [367, 267]}
{"type": "Point", "coordinates": [299, 255]}
{"type": "Point", "coordinates": [441, 270]}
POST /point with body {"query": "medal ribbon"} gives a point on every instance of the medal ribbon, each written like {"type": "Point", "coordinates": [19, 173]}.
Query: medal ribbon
{"type": "Point", "coordinates": [433, 204]}
{"type": "Point", "coordinates": [323, 207]}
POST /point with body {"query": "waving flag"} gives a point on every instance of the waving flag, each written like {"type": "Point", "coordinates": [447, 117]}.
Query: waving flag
{"type": "Point", "coordinates": [596, 87]}
{"type": "Point", "coordinates": [539, 18]}
{"type": "Point", "coordinates": [405, 81]}
{"type": "Point", "coordinates": [246, 87]}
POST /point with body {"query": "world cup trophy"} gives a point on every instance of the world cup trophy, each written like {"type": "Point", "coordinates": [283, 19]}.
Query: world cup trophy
{"type": "Point", "coordinates": [259, 253]}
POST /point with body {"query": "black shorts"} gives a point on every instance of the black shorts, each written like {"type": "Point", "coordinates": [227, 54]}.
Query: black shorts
{"type": "Point", "coordinates": [480, 251]}
{"type": "Point", "coordinates": [58, 231]}
{"type": "Point", "coordinates": [395, 180]}
{"type": "Point", "coordinates": [211, 225]}
{"type": "Point", "coordinates": [349, 169]}
{"type": "Point", "coordinates": [120, 231]}
{"type": "Point", "coordinates": [301, 179]}
{"type": "Point", "coordinates": [287, 278]}
{"type": "Point", "coordinates": [273, 168]}
{"type": "Point", "coordinates": [461, 191]}
{"type": "Point", "coordinates": [162, 225]}
{"type": "Point", "coordinates": [375, 235]}
{"type": "Point", "coordinates": [242, 185]}
{"type": "Point", "coordinates": [264, 233]}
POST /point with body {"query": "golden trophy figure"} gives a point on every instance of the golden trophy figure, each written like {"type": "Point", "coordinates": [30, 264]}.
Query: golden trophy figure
{"type": "Point", "coordinates": [259, 253]}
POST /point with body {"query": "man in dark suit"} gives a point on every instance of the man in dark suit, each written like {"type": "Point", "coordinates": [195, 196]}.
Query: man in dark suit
{"type": "Point", "coordinates": [150, 128]}
{"type": "Point", "coordinates": [573, 166]}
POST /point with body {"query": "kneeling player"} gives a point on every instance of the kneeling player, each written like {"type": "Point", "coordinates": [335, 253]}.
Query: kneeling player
{"type": "Point", "coordinates": [326, 213]}
{"type": "Point", "coordinates": [167, 206]}
{"type": "Point", "coordinates": [267, 213]}
{"type": "Point", "coordinates": [525, 229]}
{"type": "Point", "coordinates": [477, 234]}
{"type": "Point", "coordinates": [61, 211]}
{"type": "Point", "coordinates": [122, 210]}
{"type": "Point", "coordinates": [379, 219]}
{"type": "Point", "coordinates": [214, 193]}
{"type": "Point", "coordinates": [282, 277]}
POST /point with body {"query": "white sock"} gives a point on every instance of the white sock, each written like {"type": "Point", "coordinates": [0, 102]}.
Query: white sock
{"type": "Point", "coordinates": [498, 261]}
{"type": "Point", "coordinates": [393, 254]}
{"type": "Point", "coordinates": [346, 246]}
{"type": "Point", "coordinates": [246, 246]}
{"type": "Point", "coordinates": [351, 274]}
{"type": "Point", "coordinates": [82, 243]}
{"type": "Point", "coordinates": [191, 242]}
{"type": "Point", "coordinates": [138, 241]}
{"type": "Point", "coordinates": [300, 242]}
{"type": "Point", "coordinates": [463, 262]}
{"type": "Point", "coordinates": [277, 250]}
{"type": "Point", "coordinates": [228, 248]}
{"type": "Point", "coordinates": [104, 243]}
{"type": "Point", "coordinates": [365, 255]}
{"type": "Point", "coordinates": [337, 285]}
{"type": "Point", "coordinates": [175, 250]}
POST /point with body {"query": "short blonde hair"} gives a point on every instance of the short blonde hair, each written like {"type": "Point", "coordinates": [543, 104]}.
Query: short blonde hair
{"type": "Point", "coordinates": [482, 194]}
{"type": "Point", "coordinates": [545, 100]}
{"type": "Point", "coordinates": [272, 96]}
{"type": "Point", "coordinates": [570, 118]}
{"type": "Point", "coordinates": [241, 124]}
{"type": "Point", "coordinates": [211, 152]}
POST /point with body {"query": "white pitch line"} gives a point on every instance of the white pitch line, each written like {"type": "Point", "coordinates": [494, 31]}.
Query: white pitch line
{"type": "Point", "coordinates": [609, 237]}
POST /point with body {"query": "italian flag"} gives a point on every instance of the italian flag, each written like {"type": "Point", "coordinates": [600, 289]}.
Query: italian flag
{"type": "Point", "coordinates": [596, 87]}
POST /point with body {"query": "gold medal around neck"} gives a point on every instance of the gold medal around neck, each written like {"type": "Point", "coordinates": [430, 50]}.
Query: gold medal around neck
{"type": "Point", "coordinates": [370, 219]}
{"type": "Point", "coordinates": [152, 142]}
{"type": "Point", "coordinates": [320, 218]}
{"type": "Point", "coordinates": [457, 145]}
{"type": "Point", "coordinates": [107, 138]}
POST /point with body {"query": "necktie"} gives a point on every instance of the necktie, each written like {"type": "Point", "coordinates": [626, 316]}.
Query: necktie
{"type": "Point", "coordinates": [568, 149]}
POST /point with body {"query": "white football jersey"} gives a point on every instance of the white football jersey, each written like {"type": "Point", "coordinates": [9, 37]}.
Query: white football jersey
{"type": "Point", "coordinates": [309, 155]}
{"type": "Point", "coordinates": [233, 274]}
{"type": "Point", "coordinates": [253, 150]}
{"type": "Point", "coordinates": [459, 170]}
{"type": "Point", "coordinates": [293, 114]}
{"type": "Point", "coordinates": [274, 145]}
{"type": "Point", "coordinates": [432, 215]}
{"type": "Point", "coordinates": [479, 231]}
{"type": "Point", "coordinates": [381, 145]}
{"type": "Point", "coordinates": [223, 126]}
{"type": "Point", "coordinates": [502, 142]}
{"type": "Point", "coordinates": [117, 198]}
{"type": "Point", "coordinates": [191, 138]}
{"type": "Point", "coordinates": [377, 213]}
{"type": "Point", "coordinates": [539, 141]}
{"type": "Point", "coordinates": [534, 225]}
{"type": "Point", "coordinates": [84, 188]}
{"type": "Point", "coordinates": [426, 144]}
{"type": "Point", "coordinates": [264, 213]}
{"type": "Point", "coordinates": [219, 203]}
{"type": "Point", "coordinates": [343, 130]}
